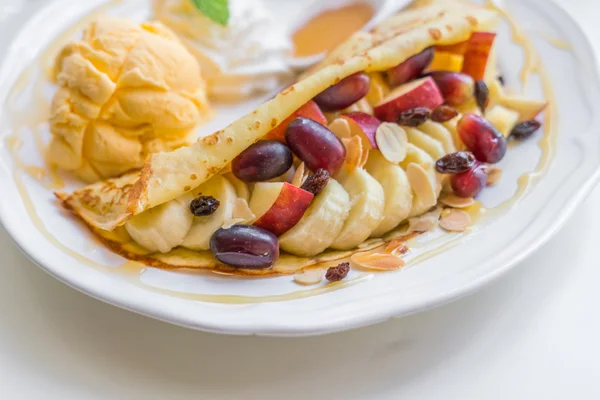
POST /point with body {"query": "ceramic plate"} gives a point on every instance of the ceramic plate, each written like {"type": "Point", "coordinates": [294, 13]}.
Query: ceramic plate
{"type": "Point", "coordinates": [544, 179]}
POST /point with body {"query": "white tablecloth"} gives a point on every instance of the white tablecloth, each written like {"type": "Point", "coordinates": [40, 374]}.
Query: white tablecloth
{"type": "Point", "coordinates": [534, 334]}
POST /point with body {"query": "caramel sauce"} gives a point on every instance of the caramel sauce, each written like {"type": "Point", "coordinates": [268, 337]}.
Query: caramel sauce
{"type": "Point", "coordinates": [330, 28]}
{"type": "Point", "coordinates": [132, 271]}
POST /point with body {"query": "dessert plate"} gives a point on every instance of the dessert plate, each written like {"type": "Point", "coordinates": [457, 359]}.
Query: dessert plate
{"type": "Point", "coordinates": [544, 180]}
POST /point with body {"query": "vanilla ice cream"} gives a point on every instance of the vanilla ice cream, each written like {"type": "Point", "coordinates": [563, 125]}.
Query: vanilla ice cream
{"type": "Point", "coordinates": [245, 57]}
{"type": "Point", "coordinates": [125, 90]}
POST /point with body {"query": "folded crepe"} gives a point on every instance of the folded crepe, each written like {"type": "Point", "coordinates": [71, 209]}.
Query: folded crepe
{"type": "Point", "coordinates": [107, 206]}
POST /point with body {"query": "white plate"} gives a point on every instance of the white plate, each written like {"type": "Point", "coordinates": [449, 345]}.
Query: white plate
{"type": "Point", "coordinates": [496, 245]}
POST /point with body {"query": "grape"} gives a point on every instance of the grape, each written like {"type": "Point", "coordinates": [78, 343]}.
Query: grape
{"type": "Point", "coordinates": [316, 145]}
{"type": "Point", "coordinates": [456, 87]}
{"type": "Point", "coordinates": [470, 182]}
{"type": "Point", "coordinates": [411, 68]}
{"type": "Point", "coordinates": [482, 138]}
{"type": "Point", "coordinates": [344, 93]}
{"type": "Point", "coordinates": [264, 160]}
{"type": "Point", "coordinates": [245, 246]}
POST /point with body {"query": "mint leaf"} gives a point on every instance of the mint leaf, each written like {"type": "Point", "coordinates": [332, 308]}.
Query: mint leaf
{"type": "Point", "coordinates": [217, 10]}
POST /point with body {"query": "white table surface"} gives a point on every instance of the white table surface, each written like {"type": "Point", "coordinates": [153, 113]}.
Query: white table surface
{"type": "Point", "coordinates": [534, 334]}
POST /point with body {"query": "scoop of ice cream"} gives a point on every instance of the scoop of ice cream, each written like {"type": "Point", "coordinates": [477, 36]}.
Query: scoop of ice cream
{"type": "Point", "coordinates": [247, 56]}
{"type": "Point", "coordinates": [125, 90]}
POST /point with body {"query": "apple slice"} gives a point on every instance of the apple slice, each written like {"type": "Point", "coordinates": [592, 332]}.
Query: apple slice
{"type": "Point", "coordinates": [478, 57]}
{"type": "Point", "coordinates": [278, 206]}
{"type": "Point", "coordinates": [419, 93]}
{"type": "Point", "coordinates": [528, 109]}
{"type": "Point", "coordinates": [363, 125]}
{"type": "Point", "coordinates": [309, 110]}
{"type": "Point", "coordinates": [502, 118]}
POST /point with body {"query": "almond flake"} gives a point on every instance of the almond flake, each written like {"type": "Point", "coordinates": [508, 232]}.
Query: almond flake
{"type": "Point", "coordinates": [421, 184]}
{"type": "Point", "coordinates": [396, 247]}
{"type": "Point", "coordinates": [241, 210]}
{"type": "Point", "coordinates": [298, 178]}
{"type": "Point", "coordinates": [340, 127]}
{"type": "Point", "coordinates": [392, 141]}
{"type": "Point", "coordinates": [231, 222]}
{"type": "Point", "coordinates": [354, 152]}
{"type": "Point", "coordinates": [454, 220]}
{"type": "Point", "coordinates": [425, 222]}
{"type": "Point", "coordinates": [309, 277]}
{"type": "Point", "coordinates": [493, 176]}
{"type": "Point", "coordinates": [377, 261]}
{"type": "Point", "coordinates": [454, 201]}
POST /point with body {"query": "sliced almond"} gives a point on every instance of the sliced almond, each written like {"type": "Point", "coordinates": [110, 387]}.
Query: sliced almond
{"type": "Point", "coordinates": [231, 222]}
{"type": "Point", "coordinates": [454, 220]}
{"type": "Point", "coordinates": [396, 247]}
{"type": "Point", "coordinates": [421, 183]}
{"type": "Point", "coordinates": [298, 178]}
{"type": "Point", "coordinates": [391, 140]}
{"type": "Point", "coordinates": [426, 222]}
{"type": "Point", "coordinates": [309, 276]}
{"type": "Point", "coordinates": [354, 152]}
{"type": "Point", "coordinates": [454, 201]}
{"type": "Point", "coordinates": [340, 127]}
{"type": "Point", "coordinates": [493, 176]}
{"type": "Point", "coordinates": [241, 210]}
{"type": "Point", "coordinates": [377, 261]}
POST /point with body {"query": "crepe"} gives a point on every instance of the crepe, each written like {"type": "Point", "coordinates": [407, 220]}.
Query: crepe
{"type": "Point", "coordinates": [107, 205]}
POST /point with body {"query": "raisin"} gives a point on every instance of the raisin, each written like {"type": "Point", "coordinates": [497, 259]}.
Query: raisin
{"type": "Point", "coordinates": [414, 116]}
{"type": "Point", "coordinates": [317, 181]}
{"type": "Point", "coordinates": [338, 272]}
{"type": "Point", "coordinates": [482, 95]}
{"type": "Point", "coordinates": [202, 206]}
{"type": "Point", "coordinates": [443, 113]}
{"type": "Point", "coordinates": [525, 129]}
{"type": "Point", "coordinates": [455, 163]}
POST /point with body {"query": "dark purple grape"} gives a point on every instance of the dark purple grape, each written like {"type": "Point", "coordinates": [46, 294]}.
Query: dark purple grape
{"type": "Point", "coordinates": [344, 93]}
{"type": "Point", "coordinates": [245, 246]}
{"type": "Point", "coordinates": [411, 68]}
{"type": "Point", "coordinates": [471, 182]}
{"type": "Point", "coordinates": [264, 160]}
{"type": "Point", "coordinates": [316, 145]}
{"type": "Point", "coordinates": [482, 138]}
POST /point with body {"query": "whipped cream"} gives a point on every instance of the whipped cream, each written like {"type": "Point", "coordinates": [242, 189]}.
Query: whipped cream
{"type": "Point", "coordinates": [246, 56]}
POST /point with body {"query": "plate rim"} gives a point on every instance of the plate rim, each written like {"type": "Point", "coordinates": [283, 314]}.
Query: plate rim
{"type": "Point", "coordinates": [367, 317]}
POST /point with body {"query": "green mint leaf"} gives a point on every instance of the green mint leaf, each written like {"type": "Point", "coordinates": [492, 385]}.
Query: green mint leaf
{"type": "Point", "coordinates": [217, 10]}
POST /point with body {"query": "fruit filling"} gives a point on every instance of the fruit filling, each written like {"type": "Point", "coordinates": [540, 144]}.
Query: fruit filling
{"type": "Point", "coordinates": [367, 154]}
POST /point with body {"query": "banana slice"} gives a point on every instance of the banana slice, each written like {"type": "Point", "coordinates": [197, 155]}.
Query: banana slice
{"type": "Point", "coordinates": [452, 128]}
{"type": "Point", "coordinates": [398, 194]}
{"type": "Point", "coordinates": [162, 228]}
{"type": "Point", "coordinates": [320, 225]}
{"type": "Point", "coordinates": [440, 133]}
{"type": "Point", "coordinates": [421, 204]}
{"type": "Point", "coordinates": [428, 144]}
{"type": "Point", "coordinates": [202, 229]}
{"type": "Point", "coordinates": [240, 186]}
{"type": "Point", "coordinates": [368, 203]}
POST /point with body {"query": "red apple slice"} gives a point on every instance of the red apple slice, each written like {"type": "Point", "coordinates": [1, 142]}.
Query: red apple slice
{"type": "Point", "coordinates": [363, 125]}
{"type": "Point", "coordinates": [310, 110]}
{"type": "Point", "coordinates": [278, 206]}
{"type": "Point", "coordinates": [419, 93]}
{"type": "Point", "coordinates": [479, 54]}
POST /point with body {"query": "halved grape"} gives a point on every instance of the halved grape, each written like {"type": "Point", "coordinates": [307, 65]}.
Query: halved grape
{"type": "Point", "coordinates": [456, 87]}
{"type": "Point", "coordinates": [411, 68]}
{"type": "Point", "coordinates": [482, 138]}
{"type": "Point", "coordinates": [470, 182]}
{"type": "Point", "coordinates": [344, 93]}
{"type": "Point", "coordinates": [316, 145]}
{"type": "Point", "coordinates": [264, 160]}
{"type": "Point", "coordinates": [245, 246]}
